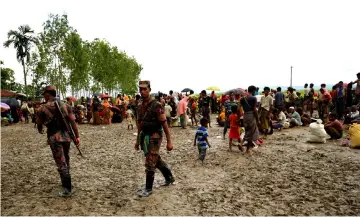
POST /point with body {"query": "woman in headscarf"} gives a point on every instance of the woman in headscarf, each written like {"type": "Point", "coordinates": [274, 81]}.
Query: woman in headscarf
{"type": "Point", "coordinates": [108, 113]}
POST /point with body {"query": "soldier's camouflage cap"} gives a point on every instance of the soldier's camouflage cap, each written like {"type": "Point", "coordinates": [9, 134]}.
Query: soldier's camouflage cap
{"type": "Point", "coordinates": [144, 83]}
{"type": "Point", "coordinates": [49, 88]}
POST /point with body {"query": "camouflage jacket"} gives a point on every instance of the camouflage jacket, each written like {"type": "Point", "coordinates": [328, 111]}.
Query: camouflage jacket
{"type": "Point", "coordinates": [46, 115]}
{"type": "Point", "coordinates": [148, 115]}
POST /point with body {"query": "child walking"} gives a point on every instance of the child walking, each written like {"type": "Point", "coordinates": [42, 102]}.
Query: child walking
{"type": "Point", "coordinates": [234, 121]}
{"type": "Point", "coordinates": [129, 117]}
{"type": "Point", "coordinates": [193, 112]}
{"type": "Point", "coordinates": [201, 139]}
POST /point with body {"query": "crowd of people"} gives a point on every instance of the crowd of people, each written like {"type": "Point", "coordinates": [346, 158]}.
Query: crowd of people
{"type": "Point", "coordinates": [246, 116]}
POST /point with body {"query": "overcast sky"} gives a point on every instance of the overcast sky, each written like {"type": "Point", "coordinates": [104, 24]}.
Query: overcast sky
{"type": "Point", "coordinates": [198, 44]}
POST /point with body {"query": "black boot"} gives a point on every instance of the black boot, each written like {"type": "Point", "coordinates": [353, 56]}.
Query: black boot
{"type": "Point", "coordinates": [150, 176]}
{"type": "Point", "coordinates": [169, 179]}
{"type": "Point", "coordinates": [66, 183]}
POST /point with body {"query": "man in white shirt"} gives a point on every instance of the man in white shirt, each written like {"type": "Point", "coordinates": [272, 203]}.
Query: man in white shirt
{"type": "Point", "coordinates": [306, 90]}
{"type": "Point", "coordinates": [281, 119]}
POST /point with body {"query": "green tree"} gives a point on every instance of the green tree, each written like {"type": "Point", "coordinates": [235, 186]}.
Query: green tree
{"type": "Point", "coordinates": [100, 64]}
{"type": "Point", "coordinates": [76, 58]}
{"type": "Point", "coordinates": [7, 78]}
{"type": "Point", "coordinates": [22, 40]}
{"type": "Point", "coordinates": [51, 48]}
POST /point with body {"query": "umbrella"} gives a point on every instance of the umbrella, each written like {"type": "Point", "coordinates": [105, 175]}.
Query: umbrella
{"type": "Point", "coordinates": [213, 88]}
{"type": "Point", "coordinates": [21, 94]}
{"type": "Point", "coordinates": [187, 90]}
{"type": "Point", "coordinates": [12, 102]}
{"type": "Point", "coordinates": [4, 107]}
{"type": "Point", "coordinates": [239, 91]}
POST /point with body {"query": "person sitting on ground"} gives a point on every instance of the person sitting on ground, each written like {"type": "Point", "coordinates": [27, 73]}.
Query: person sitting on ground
{"type": "Point", "coordinates": [352, 115]}
{"type": "Point", "coordinates": [280, 120]}
{"type": "Point", "coordinates": [334, 128]}
{"type": "Point", "coordinates": [305, 118]}
{"type": "Point", "coordinates": [294, 116]}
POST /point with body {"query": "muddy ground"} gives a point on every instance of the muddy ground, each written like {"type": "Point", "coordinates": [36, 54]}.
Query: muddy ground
{"type": "Point", "coordinates": [286, 176]}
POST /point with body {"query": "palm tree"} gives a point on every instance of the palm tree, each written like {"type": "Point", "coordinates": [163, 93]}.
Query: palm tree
{"type": "Point", "coordinates": [22, 40]}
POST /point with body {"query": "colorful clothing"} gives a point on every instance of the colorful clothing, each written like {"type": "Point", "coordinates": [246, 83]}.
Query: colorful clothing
{"type": "Point", "coordinates": [234, 127]}
{"type": "Point", "coordinates": [201, 135]}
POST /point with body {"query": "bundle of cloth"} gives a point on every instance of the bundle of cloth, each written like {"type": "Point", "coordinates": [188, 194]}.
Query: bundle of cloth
{"type": "Point", "coordinates": [317, 132]}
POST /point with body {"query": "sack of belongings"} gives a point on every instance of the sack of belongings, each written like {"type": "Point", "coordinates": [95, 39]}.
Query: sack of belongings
{"type": "Point", "coordinates": [354, 134]}
{"type": "Point", "coordinates": [317, 132]}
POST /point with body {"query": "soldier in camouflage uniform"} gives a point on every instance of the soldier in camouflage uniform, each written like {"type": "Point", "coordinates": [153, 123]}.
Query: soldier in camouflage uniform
{"type": "Point", "coordinates": [58, 139]}
{"type": "Point", "coordinates": [151, 123]}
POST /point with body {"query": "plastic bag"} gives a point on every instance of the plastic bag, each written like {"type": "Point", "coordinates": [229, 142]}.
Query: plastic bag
{"type": "Point", "coordinates": [354, 133]}
{"type": "Point", "coordinates": [286, 125]}
{"type": "Point", "coordinates": [317, 132]}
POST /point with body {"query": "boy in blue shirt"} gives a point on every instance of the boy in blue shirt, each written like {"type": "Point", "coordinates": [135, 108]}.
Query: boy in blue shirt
{"type": "Point", "coordinates": [201, 139]}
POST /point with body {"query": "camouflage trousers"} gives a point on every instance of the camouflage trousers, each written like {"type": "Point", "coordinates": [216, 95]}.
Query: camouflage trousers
{"type": "Point", "coordinates": [153, 162]}
{"type": "Point", "coordinates": [60, 151]}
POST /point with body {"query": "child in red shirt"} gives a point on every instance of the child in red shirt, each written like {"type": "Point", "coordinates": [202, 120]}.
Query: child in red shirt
{"type": "Point", "coordinates": [234, 120]}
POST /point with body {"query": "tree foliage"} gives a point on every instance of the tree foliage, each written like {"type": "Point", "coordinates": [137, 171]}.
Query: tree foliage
{"type": "Point", "coordinates": [62, 58]}
{"type": "Point", "coordinates": [22, 40]}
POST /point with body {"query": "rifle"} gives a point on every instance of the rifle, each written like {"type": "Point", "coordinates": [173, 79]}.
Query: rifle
{"type": "Point", "coordinates": [68, 126]}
